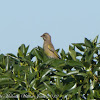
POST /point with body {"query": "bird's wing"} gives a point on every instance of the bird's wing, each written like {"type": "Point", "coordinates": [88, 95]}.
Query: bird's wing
{"type": "Point", "coordinates": [51, 48]}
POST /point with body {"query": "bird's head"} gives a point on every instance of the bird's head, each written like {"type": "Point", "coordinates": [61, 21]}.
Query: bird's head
{"type": "Point", "coordinates": [46, 37]}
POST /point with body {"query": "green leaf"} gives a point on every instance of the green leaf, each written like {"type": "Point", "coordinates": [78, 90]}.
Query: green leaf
{"type": "Point", "coordinates": [33, 83]}
{"type": "Point", "coordinates": [60, 73]}
{"type": "Point", "coordinates": [59, 83]}
{"type": "Point", "coordinates": [82, 74]}
{"type": "Point", "coordinates": [44, 74]}
{"type": "Point", "coordinates": [89, 54]}
{"type": "Point", "coordinates": [95, 40]}
{"type": "Point", "coordinates": [88, 43]}
{"type": "Point", "coordinates": [26, 49]}
{"type": "Point", "coordinates": [79, 46]}
{"type": "Point", "coordinates": [57, 50]}
{"type": "Point", "coordinates": [75, 90]}
{"type": "Point", "coordinates": [72, 53]}
{"type": "Point", "coordinates": [58, 63]}
{"type": "Point", "coordinates": [72, 72]}
{"type": "Point", "coordinates": [49, 87]}
{"type": "Point", "coordinates": [6, 82]}
{"type": "Point", "coordinates": [15, 59]}
{"type": "Point", "coordinates": [78, 54]}
{"type": "Point", "coordinates": [63, 54]}
{"type": "Point", "coordinates": [68, 87]}
{"type": "Point", "coordinates": [21, 50]}
{"type": "Point", "coordinates": [36, 53]}
{"type": "Point", "coordinates": [74, 63]}
{"type": "Point", "coordinates": [47, 62]}
{"type": "Point", "coordinates": [4, 79]}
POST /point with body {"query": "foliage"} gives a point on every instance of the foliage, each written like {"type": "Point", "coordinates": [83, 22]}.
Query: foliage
{"type": "Point", "coordinates": [32, 75]}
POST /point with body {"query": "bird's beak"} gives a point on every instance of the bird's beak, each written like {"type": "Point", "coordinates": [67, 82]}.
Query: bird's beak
{"type": "Point", "coordinates": [42, 36]}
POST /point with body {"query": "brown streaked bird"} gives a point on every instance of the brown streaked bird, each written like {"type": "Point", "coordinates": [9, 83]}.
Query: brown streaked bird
{"type": "Point", "coordinates": [48, 47]}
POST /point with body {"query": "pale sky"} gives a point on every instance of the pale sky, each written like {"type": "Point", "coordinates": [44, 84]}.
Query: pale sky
{"type": "Point", "coordinates": [67, 21]}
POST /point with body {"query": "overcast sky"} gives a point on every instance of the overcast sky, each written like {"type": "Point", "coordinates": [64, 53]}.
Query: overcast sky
{"type": "Point", "coordinates": [67, 21]}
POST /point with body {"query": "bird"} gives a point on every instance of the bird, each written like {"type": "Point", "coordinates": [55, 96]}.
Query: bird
{"type": "Point", "coordinates": [48, 47]}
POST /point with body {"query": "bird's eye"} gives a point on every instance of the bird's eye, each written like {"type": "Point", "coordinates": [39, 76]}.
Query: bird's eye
{"type": "Point", "coordinates": [43, 35]}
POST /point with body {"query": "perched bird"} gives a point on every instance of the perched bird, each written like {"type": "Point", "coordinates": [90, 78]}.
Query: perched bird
{"type": "Point", "coordinates": [48, 47]}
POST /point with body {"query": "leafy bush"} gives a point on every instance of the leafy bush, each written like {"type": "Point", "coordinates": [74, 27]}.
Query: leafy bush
{"type": "Point", "coordinates": [32, 75]}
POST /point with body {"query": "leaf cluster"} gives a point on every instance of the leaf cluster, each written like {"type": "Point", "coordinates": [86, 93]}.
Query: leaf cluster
{"type": "Point", "coordinates": [32, 75]}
